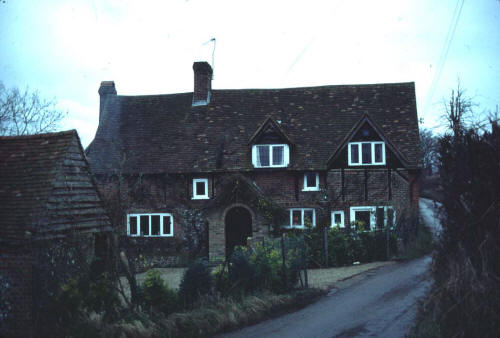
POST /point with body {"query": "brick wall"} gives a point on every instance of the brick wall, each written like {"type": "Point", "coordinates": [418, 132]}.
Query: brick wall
{"type": "Point", "coordinates": [199, 227]}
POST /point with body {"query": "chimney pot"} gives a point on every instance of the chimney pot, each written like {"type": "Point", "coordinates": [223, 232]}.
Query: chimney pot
{"type": "Point", "coordinates": [202, 83]}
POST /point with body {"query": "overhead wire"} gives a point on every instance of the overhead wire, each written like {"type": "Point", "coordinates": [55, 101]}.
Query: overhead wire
{"type": "Point", "coordinates": [444, 53]}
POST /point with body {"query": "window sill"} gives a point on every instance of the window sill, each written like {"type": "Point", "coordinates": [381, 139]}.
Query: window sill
{"type": "Point", "coordinates": [311, 189]}
{"type": "Point", "coordinates": [271, 167]}
{"type": "Point", "coordinates": [149, 236]}
{"type": "Point", "coordinates": [364, 164]}
{"type": "Point", "coordinates": [200, 198]}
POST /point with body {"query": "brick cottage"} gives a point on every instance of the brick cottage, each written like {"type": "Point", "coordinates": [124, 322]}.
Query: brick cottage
{"type": "Point", "coordinates": [194, 174]}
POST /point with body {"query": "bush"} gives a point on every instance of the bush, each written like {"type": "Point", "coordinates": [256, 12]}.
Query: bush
{"type": "Point", "coordinates": [221, 277]}
{"type": "Point", "coordinates": [196, 282]}
{"type": "Point", "coordinates": [156, 295]}
{"type": "Point", "coordinates": [242, 274]}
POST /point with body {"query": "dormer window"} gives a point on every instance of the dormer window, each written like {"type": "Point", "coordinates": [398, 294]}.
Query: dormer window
{"type": "Point", "coordinates": [270, 155]}
{"type": "Point", "coordinates": [200, 189]}
{"type": "Point", "coordinates": [311, 182]}
{"type": "Point", "coordinates": [366, 153]}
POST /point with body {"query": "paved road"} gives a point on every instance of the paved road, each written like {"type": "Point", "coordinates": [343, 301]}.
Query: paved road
{"type": "Point", "coordinates": [381, 303]}
{"type": "Point", "coordinates": [429, 210]}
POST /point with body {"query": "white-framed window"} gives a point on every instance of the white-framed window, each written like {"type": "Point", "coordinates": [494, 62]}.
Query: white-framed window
{"type": "Point", "coordinates": [270, 155]}
{"type": "Point", "coordinates": [200, 189]}
{"type": "Point", "coordinates": [366, 153]}
{"type": "Point", "coordinates": [299, 217]}
{"type": "Point", "coordinates": [311, 181]}
{"type": "Point", "coordinates": [372, 217]}
{"type": "Point", "coordinates": [338, 219]}
{"type": "Point", "coordinates": [150, 225]}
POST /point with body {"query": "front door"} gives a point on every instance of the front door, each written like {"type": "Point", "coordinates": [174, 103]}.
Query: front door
{"type": "Point", "coordinates": [238, 228]}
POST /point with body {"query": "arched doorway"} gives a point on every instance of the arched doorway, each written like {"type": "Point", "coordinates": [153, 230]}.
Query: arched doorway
{"type": "Point", "coordinates": [238, 228]}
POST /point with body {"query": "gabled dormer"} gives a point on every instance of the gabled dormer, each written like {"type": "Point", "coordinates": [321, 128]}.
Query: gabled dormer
{"type": "Point", "coordinates": [270, 146]}
{"type": "Point", "coordinates": [366, 146]}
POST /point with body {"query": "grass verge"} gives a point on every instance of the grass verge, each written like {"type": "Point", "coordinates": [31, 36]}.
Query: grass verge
{"type": "Point", "coordinates": [426, 325]}
{"type": "Point", "coordinates": [422, 245]}
{"type": "Point", "coordinates": [225, 314]}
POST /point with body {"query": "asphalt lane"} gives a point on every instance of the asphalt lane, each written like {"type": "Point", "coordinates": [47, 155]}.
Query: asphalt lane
{"type": "Point", "coordinates": [379, 303]}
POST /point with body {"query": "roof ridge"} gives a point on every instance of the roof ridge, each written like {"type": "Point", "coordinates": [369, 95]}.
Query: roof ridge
{"type": "Point", "coordinates": [323, 86]}
{"type": "Point", "coordinates": [277, 89]}
{"type": "Point", "coordinates": [43, 135]}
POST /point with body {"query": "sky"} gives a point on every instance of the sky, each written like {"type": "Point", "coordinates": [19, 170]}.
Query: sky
{"type": "Point", "coordinates": [64, 48]}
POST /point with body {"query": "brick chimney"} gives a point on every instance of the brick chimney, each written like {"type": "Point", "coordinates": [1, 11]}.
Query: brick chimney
{"type": "Point", "coordinates": [202, 83]}
{"type": "Point", "coordinates": [106, 91]}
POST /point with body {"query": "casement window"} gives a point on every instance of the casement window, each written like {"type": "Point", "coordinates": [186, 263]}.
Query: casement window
{"type": "Point", "coordinates": [270, 155]}
{"type": "Point", "coordinates": [150, 225]}
{"type": "Point", "coordinates": [366, 153]}
{"type": "Point", "coordinates": [200, 189]}
{"type": "Point", "coordinates": [338, 219]}
{"type": "Point", "coordinates": [371, 217]}
{"type": "Point", "coordinates": [299, 217]}
{"type": "Point", "coordinates": [311, 182]}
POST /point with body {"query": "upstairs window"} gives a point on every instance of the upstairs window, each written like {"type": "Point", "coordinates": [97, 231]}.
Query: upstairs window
{"type": "Point", "coordinates": [311, 182]}
{"type": "Point", "coordinates": [366, 153]}
{"type": "Point", "coordinates": [150, 225]}
{"type": "Point", "coordinates": [270, 155]}
{"type": "Point", "coordinates": [200, 189]}
{"type": "Point", "coordinates": [299, 217]}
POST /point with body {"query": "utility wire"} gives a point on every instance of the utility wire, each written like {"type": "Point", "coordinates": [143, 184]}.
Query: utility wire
{"type": "Point", "coordinates": [444, 53]}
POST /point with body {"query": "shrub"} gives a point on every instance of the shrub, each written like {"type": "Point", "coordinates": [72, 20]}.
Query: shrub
{"type": "Point", "coordinates": [196, 282]}
{"type": "Point", "coordinates": [156, 295]}
{"type": "Point", "coordinates": [221, 277]}
{"type": "Point", "coordinates": [242, 275]}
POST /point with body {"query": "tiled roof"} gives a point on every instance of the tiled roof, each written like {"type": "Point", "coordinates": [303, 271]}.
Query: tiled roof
{"type": "Point", "coordinates": [32, 169]}
{"type": "Point", "coordinates": [164, 133]}
{"type": "Point", "coordinates": [28, 166]}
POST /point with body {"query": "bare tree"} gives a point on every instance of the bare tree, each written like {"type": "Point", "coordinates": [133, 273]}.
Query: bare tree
{"type": "Point", "coordinates": [25, 112]}
{"type": "Point", "coordinates": [429, 147]}
{"type": "Point", "coordinates": [458, 111]}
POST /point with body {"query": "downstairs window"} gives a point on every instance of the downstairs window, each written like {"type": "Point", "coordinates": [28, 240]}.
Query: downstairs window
{"type": "Point", "coordinates": [150, 225]}
{"type": "Point", "coordinates": [300, 217]}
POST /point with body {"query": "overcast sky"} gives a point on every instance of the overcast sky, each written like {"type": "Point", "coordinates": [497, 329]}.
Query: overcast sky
{"type": "Point", "coordinates": [65, 49]}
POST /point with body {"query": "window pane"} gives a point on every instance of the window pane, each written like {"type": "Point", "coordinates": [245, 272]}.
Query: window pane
{"type": "Point", "coordinates": [366, 152]}
{"type": "Point", "coordinates": [155, 225]}
{"type": "Point", "coordinates": [200, 189]}
{"type": "Point", "coordinates": [311, 180]}
{"type": "Point", "coordinates": [296, 217]}
{"type": "Point", "coordinates": [278, 155]}
{"type": "Point", "coordinates": [390, 217]}
{"type": "Point", "coordinates": [363, 219]}
{"type": "Point", "coordinates": [144, 225]}
{"type": "Point", "coordinates": [133, 225]}
{"type": "Point", "coordinates": [378, 153]}
{"type": "Point", "coordinates": [354, 153]}
{"type": "Point", "coordinates": [337, 218]}
{"type": "Point", "coordinates": [380, 217]}
{"type": "Point", "coordinates": [167, 225]}
{"type": "Point", "coordinates": [263, 156]}
{"type": "Point", "coordinates": [308, 217]}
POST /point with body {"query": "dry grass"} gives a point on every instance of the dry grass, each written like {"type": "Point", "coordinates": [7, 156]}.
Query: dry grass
{"type": "Point", "coordinates": [326, 278]}
{"type": "Point", "coordinates": [224, 314]}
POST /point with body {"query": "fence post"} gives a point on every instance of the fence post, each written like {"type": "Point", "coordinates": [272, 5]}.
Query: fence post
{"type": "Point", "coordinates": [283, 256]}
{"type": "Point", "coordinates": [304, 261]}
{"type": "Point", "coordinates": [325, 245]}
{"type": "Point", "coordinates": [387, 246]}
